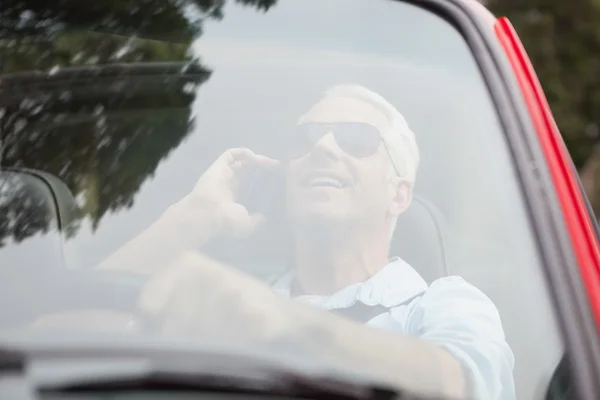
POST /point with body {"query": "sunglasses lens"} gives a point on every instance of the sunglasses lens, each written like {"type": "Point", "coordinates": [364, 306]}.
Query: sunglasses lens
{"type": "Point", "coordinates": [357, 139]}
{"type": "Point", "coordinates": [304, 138]}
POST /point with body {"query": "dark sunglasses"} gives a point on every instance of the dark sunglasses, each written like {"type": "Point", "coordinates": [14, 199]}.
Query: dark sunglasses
{"type": "Point", "coordinates": [357, 139]}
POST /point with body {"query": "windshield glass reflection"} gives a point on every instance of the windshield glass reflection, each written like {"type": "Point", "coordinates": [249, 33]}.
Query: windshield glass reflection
{"type": "Point", "coordinates": [184, 169]}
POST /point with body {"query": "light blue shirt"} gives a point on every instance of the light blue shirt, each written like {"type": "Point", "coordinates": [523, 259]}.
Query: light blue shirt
{"type": "Point", "coordinates": [450, 313]}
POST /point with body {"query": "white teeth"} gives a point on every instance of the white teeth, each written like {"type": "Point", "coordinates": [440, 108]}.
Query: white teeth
{"type": "Point", "coordinates": [323, 181]}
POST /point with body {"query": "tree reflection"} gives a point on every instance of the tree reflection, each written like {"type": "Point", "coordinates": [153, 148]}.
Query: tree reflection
{"type": "Point", "coordinates": [16, 201]}
{"type": "Point", "coordinates": [96, 93]}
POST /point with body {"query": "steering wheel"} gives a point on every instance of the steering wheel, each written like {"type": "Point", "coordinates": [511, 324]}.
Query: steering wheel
{"type": "Point", "coordinates": [26, 297]}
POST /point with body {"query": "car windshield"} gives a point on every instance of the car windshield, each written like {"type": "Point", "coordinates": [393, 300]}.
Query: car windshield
{"type": "Point", "coordinates": [163, 162]}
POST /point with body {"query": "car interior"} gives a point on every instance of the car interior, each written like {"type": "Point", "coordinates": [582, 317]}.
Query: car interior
{"type": "Point", "coordinates": [459, 222]}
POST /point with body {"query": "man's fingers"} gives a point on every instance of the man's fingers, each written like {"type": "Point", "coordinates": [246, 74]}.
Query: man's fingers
{"type": "Point", "coordinates": [186, 272]}
{"type": "Point", "coordinates": [180, 297]}
{"type": "Point", "coordinates": [241, 158]}
{"type": "Point", "coordinates": [157, 293]}
{"type": "Point", "coordinates": [249, 226]}
{"type": "Point", "coordinates": [238, 223]}
{"type": "Point", "coordinates": [181, 315]}
{"type": "Point", "coordinates": [200, 297]}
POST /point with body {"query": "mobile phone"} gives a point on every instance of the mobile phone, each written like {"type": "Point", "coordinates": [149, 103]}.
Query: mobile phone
{"type": "Point", "coordinates": [262, 190]}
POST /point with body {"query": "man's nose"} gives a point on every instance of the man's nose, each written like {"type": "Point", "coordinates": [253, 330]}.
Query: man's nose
{"type": "Point", "coordinates": [327, 146]}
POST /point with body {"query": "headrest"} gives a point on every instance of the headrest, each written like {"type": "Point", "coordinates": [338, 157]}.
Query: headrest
{"type": "Point", "coordinates": [33, 203]}
{"type": "Point", "coordinates": [420, 239]}
{"type": "Point", "coordinates": [65, 203]}
{"type": "Point", "coordinates": [32, 221]}
{"type": "Point", "coordinates": [27, 206]}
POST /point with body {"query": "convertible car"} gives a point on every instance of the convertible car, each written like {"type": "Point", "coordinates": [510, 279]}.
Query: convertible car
{"type": "Point", "coordinates": [110, 111]}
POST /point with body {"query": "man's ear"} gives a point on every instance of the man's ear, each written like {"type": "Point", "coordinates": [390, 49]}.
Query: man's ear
{"type": "Point", "coordinates": [401, 195]}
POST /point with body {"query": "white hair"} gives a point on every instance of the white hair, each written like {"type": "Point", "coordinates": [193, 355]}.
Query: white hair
{"type": "Point", "coordinates": [399, 140]}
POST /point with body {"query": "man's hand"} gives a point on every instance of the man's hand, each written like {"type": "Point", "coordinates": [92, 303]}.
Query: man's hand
{"type": "Point", "coordinates": [199, 297]}
{"type": "Point", "coordinates": [216, 192]}
{"type": "Point", "coordinates": [211, 209]}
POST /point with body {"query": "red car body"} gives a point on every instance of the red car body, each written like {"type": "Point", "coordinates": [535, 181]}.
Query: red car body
{"type": "Point", "coordinates": [572, 219]}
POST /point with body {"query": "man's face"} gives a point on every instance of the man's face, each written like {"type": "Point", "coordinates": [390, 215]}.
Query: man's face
{"type": "Point", "coordinates": [335, 178]}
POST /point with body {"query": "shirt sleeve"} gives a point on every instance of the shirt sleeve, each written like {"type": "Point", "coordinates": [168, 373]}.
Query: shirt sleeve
{"type": "Point", "coordinates": [460, 318]}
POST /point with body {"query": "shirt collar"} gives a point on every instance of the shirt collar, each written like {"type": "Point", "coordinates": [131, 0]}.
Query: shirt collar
{"type": "Point", "coordinates": [393, 285]}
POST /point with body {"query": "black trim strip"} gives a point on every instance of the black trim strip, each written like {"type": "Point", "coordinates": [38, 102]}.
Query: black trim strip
{"type": "Point", "coordinates": [545, 215]}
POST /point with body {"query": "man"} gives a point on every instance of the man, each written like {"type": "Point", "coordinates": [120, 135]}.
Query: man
{"type": "Point", "coordinates": [350, 169]}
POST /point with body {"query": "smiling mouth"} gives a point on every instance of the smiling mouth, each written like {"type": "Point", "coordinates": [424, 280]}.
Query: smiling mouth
{"type": "Point", "coordinates": [324, 182]}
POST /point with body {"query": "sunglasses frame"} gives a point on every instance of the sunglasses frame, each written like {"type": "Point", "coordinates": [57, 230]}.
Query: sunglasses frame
{"type": "Point", "coordinates": [387, 150]}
